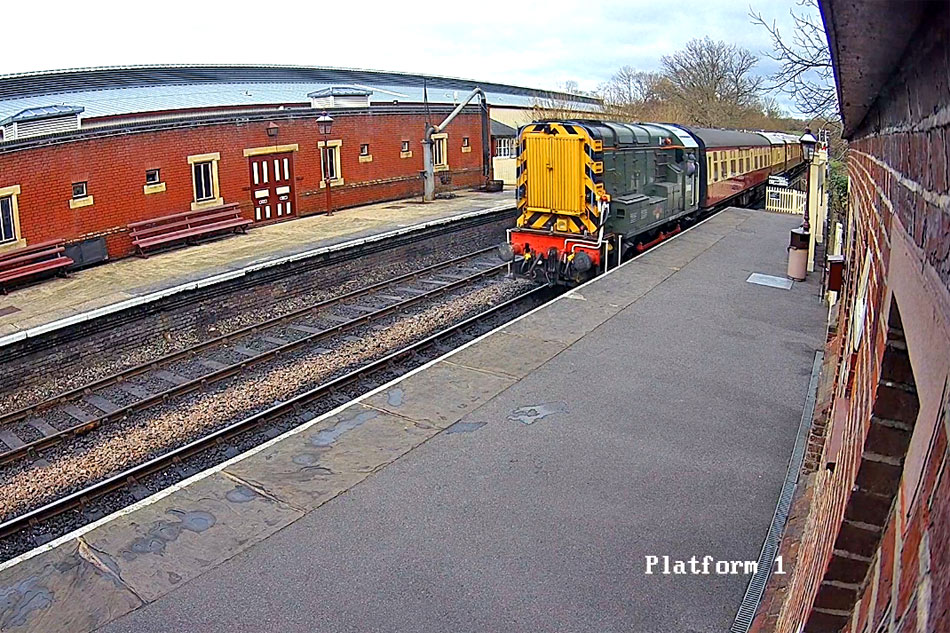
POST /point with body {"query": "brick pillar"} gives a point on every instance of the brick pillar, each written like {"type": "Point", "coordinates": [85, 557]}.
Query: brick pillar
{"type": "Point", "coordinates": [872, 497]}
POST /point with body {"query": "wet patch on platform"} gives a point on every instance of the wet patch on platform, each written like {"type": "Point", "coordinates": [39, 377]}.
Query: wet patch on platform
{"type": "Point", "coordinates": [308, 469]}
{"type": "Point", "coordinates": [465, 427]}
{"type": "Point", "coordinates": [441, 395]}
{"type": "Point", "coordinates": [68, 588]}
{"type": "Point", "coordinates": [536, 412]}
{"type": "Point", "coordinates": [346, 422]}
{"type": "Point", "coordinates": [183, 535]}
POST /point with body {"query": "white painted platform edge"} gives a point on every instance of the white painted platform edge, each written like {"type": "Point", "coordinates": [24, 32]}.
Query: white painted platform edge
{"type": "Point", "coordinates": [216, 279]}
{"type": "Point", "coordinates": [158, 496]}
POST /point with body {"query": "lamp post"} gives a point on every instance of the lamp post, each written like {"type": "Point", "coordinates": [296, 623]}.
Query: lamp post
{"type": "Point", "coordinates": [324, 123]}
{"type": "Point", "coordinates": [808, 142]}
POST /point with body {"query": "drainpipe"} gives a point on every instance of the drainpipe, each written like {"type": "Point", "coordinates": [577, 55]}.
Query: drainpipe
{"type": "Point", "coordinates": [429, 174]}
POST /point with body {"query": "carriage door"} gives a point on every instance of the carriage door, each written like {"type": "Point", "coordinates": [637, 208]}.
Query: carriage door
{"type": "Point", "coordinates": [272, 185]}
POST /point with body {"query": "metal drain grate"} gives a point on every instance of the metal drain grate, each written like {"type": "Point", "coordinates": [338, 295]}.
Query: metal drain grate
{"type": "Point", "coordinates": [753, 593]}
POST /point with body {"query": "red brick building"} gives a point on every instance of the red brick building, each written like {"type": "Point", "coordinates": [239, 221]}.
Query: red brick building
{"type": "Point", "coordinates": [128, 174]}
{"type": "Point", "coordinates": [123, 145]}
{"type": "Point", "coordinates": [869, 535]}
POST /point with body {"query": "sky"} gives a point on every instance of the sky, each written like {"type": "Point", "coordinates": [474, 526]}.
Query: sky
{"type": "Point", "coordinates": [522, 42]}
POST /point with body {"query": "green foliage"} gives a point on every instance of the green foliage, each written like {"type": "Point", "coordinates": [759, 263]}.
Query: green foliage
{"type": "Point", "coordinates": [838, 187]}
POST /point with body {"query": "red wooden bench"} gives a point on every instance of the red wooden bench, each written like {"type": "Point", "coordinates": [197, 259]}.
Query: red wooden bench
{"type": "Point", "coordinates": [29, 261]}
{"type": "Point", "coordinates": [185, 227]}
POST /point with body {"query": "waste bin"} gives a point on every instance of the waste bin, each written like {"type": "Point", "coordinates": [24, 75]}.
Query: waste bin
{"type": "Point", "coordinates": [798, 254]}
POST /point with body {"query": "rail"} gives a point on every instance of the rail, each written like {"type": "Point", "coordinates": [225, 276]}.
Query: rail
{"type": "Point", "coordinates": [130, 476]}
{"type": "Point", "coordinates": [215, 375]}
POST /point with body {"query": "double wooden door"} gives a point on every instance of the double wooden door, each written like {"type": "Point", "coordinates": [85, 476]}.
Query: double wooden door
{"type": "Point", "coordinates": [272, 185]}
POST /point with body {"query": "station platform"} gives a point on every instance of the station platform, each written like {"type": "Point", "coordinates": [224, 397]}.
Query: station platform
{"type": "Point", "coordinates": [515, 484]}
{"type": "Point", "coordinates": [60, 302]}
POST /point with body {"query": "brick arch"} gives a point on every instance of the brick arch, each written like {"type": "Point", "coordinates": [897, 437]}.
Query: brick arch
{"type": "Point", "coordinates": [879, 471]}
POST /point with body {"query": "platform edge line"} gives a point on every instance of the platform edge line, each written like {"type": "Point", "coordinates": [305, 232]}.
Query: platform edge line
{"type": "Point", "coordinates": [184, 483]}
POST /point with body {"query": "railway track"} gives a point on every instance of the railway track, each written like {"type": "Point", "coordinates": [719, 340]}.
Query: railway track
{"type": "Point", "coordinates": [27, 432]}
{"type": "Point", "coordinates": [287, 412]}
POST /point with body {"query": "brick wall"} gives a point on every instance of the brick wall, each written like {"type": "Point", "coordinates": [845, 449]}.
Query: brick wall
{"type": "Point", "coordinates": [872, 552]}
{"type": "Point", "coordinates": [114, 167]}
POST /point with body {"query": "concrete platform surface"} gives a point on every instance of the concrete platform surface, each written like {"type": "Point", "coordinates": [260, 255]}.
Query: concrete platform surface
{"type": "Point", "coordinates": [516, 484]}
{"type": "Point", "coordinates": [40, 305]}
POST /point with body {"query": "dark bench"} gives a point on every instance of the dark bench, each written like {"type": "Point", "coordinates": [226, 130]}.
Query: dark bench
{"type": "Point", "coordinates": [29, 261]}
{"type": "Point", "coordinates": [185, 227]}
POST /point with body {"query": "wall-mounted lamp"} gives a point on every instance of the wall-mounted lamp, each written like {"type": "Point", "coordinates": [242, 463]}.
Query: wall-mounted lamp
{"type": "Point", "coordinates": [808, 142]}
{"type": "Point", "coordinates": [324, 123]}
{"type": "Point", "coordinates": [273, 129]}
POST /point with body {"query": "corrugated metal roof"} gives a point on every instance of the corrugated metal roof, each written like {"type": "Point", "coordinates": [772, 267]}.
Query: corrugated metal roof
{"type": "Point", "coordinates": [140, 89]}
{"type": "Point", "coordinates": [340, 91]}
{"type": "Point", "coordinates": [779, 138]}
{"type": "Point", "coordinates": [42, 112]}
{"type": "Point", "coordinates": [713, 137]}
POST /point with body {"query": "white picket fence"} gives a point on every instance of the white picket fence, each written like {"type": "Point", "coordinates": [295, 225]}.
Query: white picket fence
{"type": "Point", "coordinates": [782, 200]}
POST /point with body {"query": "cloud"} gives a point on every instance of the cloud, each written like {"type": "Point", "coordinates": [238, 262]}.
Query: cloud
{"type": "Point", "coordinates": [530, 42]}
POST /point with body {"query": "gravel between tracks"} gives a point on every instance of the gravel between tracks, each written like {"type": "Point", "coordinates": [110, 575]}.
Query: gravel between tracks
{"type": "Point", "coordinates": [82, 460]}
{"type": "Point", "coordinates": [88, 368]}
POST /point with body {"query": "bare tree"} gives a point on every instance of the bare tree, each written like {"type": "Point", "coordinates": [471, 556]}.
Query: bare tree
{"type": "Point", "coordinates": [555, 107]}
{"type": "Point", "coordinates": [713, 81]}
{"type": "Point", "coordinates": [628, 86]}
{"type": "Point", "coordinates": [633, 95]}
{"type": "Point", "coordinates": [805, 73]}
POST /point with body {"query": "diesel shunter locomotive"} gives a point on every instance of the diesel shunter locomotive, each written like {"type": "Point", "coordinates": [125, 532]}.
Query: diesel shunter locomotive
{"type": "Point", "coordinates": [592, 192]}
